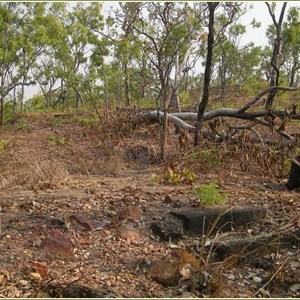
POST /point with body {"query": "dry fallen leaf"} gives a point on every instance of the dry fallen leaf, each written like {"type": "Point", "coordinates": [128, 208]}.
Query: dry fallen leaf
{"type": "Point", "coordinates": [40, 268]}
{"type": "Point", "coordinates": [131, 236]}
{"type": "Point", "coordinates": [184, 258]}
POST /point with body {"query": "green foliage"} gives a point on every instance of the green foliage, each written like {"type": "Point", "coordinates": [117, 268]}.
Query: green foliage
{"type": "Point", "coordinates": [210, 194]}
{"type": "Point", "coordinates": [206, 158]}
{"type": "Point", "coordinates": [57, 140]}
{"type": "Point", "coordinates": [22, 124]}
{"type": "Point", "coordinates": [35, 103]}
{"type": "Point", "coordinates": [2, 145]}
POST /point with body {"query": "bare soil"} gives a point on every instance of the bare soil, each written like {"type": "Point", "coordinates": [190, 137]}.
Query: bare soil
{"type": "Point", "coordinates": [54, 166]}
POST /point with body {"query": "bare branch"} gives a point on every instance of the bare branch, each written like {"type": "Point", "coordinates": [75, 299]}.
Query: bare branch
{"type": "Point", "coordinates": [264, 92]}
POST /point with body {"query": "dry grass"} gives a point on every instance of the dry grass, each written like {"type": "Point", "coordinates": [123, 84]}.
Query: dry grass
{"type": "Point", "coordinates": [38, 174]}
{"type": "Point", "coordinates": [115, 165]}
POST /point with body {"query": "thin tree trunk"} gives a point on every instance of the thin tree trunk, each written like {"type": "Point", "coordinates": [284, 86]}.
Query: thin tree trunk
{"type": "Point", "coordinates": [126, 86]}
{"type": "Point", "coordinates": [274, 80]}
{"type": "Point", "coordinates": [207, 74]}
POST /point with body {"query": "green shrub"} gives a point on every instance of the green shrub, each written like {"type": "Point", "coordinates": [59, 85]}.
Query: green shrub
{"type": "Point", "coordinates": [210, 194]}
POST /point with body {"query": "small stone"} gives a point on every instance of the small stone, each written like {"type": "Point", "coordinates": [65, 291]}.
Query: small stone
{"type": "Point", "coordinates": [35, 276]}
{"type": "Point", "coordinates": [168, 199]}
{"type": "Point", "coordinates": [231, 277]}
{"type": "Point", "coordinates": [164, 272]}
{"type": "Point", "coordinates": [257, 279]}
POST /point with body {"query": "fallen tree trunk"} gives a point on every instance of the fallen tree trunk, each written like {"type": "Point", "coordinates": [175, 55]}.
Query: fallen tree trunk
{"type": "Point", "coordinates": [181, 119]}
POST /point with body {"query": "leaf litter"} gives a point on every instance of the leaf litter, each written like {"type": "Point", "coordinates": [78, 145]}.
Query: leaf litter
{"type": "Point", "coordinates": [76, 234]}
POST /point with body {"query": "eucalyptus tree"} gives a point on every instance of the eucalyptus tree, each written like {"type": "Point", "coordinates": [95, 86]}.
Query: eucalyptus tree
{"type": "Point", "coordinates": [229, 12]}
{"type": "Point", "coordinates": [276, 59]}
{"type": "Point", "coordinates": [127, 48]}
{"type": "Point", "coordinates": [291, 44]}
{"type": "Point", "coordinates": [14, 61]}
{"type": "Point", "coordinates": [169, 31]}
{"type": "Point", "coordinates": [78, 45]}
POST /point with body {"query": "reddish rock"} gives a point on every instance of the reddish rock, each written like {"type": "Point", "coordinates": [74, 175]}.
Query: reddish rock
{"type": "Point", "coordinates": [165, 272]}
{"type": "Point", "coordinates": [83, 222]}
{"type": "Point", "coordinates": [58, 245]}
{"type": "Point", "coordinates": [131, 212]}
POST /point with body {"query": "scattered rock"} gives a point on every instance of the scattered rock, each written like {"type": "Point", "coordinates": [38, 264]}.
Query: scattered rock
{"type": "Point", "coordinates": [84, 222]}
{"type": "Point", "coordinates": [164, 272]}
{"type": "Point", "coordinates": [56, 223]}
{"type": "Point", "coordinates": [200, 221]}
{"type": "Point", "coordinates": [131, 212]}
{"type": "Point", "coordinates": [168, 229]}
{"type": "Point", "coordinates": [58, 245]}
{"type": "Point", "coordinates": [168, 199]}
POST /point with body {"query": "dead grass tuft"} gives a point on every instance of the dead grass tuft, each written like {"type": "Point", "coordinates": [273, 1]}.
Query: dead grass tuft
{"type": "Point", "coordinates": [40, 174]}
{"type": "Point", "coordinates": [48, 172]}
{"type": "Point", "coordinates": [115, 165]}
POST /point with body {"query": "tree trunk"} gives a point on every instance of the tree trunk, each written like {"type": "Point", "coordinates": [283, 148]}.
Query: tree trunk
{"type": "Point", "coordinates": [207, 74]}
{"type": "Point", "coordinates": [1, 109]}
{"type": "Point", "coordinates": [174, 101]}
{"type": "Point", "coordinates": [275, 63]}
{"type": "Point", "coordinates": [126, 86]}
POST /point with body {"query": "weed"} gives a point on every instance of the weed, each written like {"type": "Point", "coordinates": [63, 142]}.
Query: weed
{"type": "Point", "coordinates": [2, 145]}
{"type": "Point", "coordinates": [207, 158]}
{"type": "Point", "coordinates": [55, 139]}
{"type": "Point", "coordinates": [210, 194]}
{"type": "Point", "coordinates": [175, 175]}
{"type": "Point", "coordinates": [23, 125]}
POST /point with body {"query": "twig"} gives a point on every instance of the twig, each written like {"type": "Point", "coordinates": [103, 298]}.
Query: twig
{"type": "Point", "coordinates": [275, 273]}
{"type": "Point", "coordinates": [152, 288]}
{"type": "Point", "coordinates": [116, 293]}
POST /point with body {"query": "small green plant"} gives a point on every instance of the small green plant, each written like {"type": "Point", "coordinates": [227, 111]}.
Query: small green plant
{"type": "Point", "coordinates": [155, 178]}
{"type": "Point", "coordinates": [207, 158]}
{"type": "Point", "coordinates": [23, 125]}
{"type": "Point", "coordinates": [2, 145]}
{"type": "Point", "coordinates": [210, 194]}
{"type": "Point", "coordinates": [56, 140]}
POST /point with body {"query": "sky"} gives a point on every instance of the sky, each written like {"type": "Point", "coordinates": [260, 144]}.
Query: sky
{"type": "Point", "coordinates": [259, 12]}
{"type": "Point", "coordinates": [256, 35]}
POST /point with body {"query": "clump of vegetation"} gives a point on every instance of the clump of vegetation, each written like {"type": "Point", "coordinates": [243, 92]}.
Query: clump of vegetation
{"type": "Point", "coordinates": [207, 158]}
{"type": "Point", "coordinates": [57, 140]}
{"type": "Point", "coordinates": [2, 145]}
{"type": "Point", "coordinates": [175, 175]}
{"type": "Point", "coordinates": [210, 194]}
